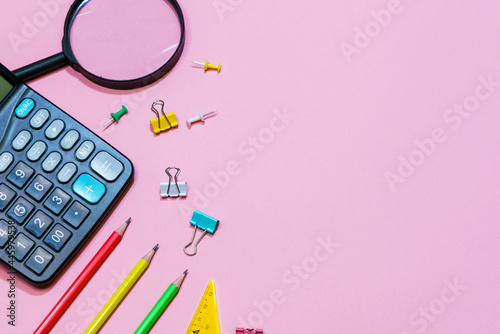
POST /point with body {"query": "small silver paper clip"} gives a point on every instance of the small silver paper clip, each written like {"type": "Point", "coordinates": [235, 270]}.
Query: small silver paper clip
{"type": "Point", "coordinates": [173, 189]}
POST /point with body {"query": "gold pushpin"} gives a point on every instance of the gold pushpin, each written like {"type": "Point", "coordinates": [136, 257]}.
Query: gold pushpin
{"type": "Point", "coordinates": [208, 66]}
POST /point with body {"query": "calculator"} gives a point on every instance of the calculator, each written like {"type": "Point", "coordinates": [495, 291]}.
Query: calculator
{"type": "Point", "coordinates": [58, 181]}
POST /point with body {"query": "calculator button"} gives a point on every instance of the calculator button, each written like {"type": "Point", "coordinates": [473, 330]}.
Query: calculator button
{"type": "Point", "coordinates": [51, 162]}
{"type": "Point", "coordinates": [39, 260]}
{"type": "Point", "coordinates": [54, 130]}
{"type": "Point", "coordinates": [57, 238]}
{"type": "Point", "coordinates": [20, 174]}
{"type": "Point", "coordinates": [22, 139]}
{"type": "Point", "coordinates": [85, 150]}
{"type": "Point", "coordinates": [6, 196]}
{"type": "Point", "coordinates": [6, 159]}
{"type": "Point", "coordinates": [39, 188]}
{"type": "Point", "coordinates": [38, 224]}
{"type": "Point", "coordinates": [6, 231]}
{"type": "Point", "coordinates": [89, 188]}
{"type": "Point", "coordinates": [39, 119]}
{"type": "Point", "coordinates": [20, 210]}
{"type": "Point", "coordinates": [69, 140]}
{"type": "Point", "coordinates": [22, 245]}
{"type": "Point", "coordinates": [106, 166]}
{"type": "Point", "coordinates": [67, 172]}
{"type": "Point", "coordinates": [57, 201]}
{"type": "Point", "coordinates": [76, 214]}
{"type": "Point", "coordinates": [36, 151]}
{"type": "Point", "coordinates": [24, 108]}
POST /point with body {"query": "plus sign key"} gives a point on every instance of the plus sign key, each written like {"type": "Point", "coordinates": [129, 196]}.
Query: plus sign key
{"type": "Point", "coordinates": [89, 188]}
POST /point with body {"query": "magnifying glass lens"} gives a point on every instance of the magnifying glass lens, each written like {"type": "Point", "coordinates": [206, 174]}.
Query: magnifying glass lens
{"type": "Point", "coordinates": [124, 39]}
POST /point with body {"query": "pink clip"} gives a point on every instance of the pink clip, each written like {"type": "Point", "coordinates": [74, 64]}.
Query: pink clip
{"type": "Point", "coordinates": [248, 331]}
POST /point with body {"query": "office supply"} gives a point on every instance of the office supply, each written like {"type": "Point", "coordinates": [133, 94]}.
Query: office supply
{"type": "Point", "coordinates": [58, 181]}
{"type": "Point", "coordinates": [161, 305]}
{"type": "Point", "coordinates": [206, 319]}
{"type": "Point", "coordinates": [105, 60]}
{"type": "Point", "coordinates": [164, 122]}
{"type": "Point", "coordinates": [249, 331]}
{"type": "Point", "coordinates": [115, 117]}
{"type": "Point", "coordinates": [208, 66]}
{"type": "Point", "coordinates": [120, 293]}
{"type": "Point", "coordinates": [203, 222]}
{"type": "Point", "coordinates": [82, 280]}
{"type": "Point", "coordinates": [173, 189]}
{"type": "Point", "coordinates": [201, 117]}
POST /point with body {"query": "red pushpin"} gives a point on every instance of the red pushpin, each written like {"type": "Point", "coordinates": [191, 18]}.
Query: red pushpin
{"type": "Point", "coordinates": [208, 66]}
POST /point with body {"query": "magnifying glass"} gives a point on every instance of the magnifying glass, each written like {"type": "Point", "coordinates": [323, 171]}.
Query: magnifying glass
{"type": "Point", "coordinates": [120, 44]}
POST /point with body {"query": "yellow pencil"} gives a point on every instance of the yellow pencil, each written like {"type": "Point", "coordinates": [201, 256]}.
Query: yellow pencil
{"type": "Point", "coordinates": [120, 293]}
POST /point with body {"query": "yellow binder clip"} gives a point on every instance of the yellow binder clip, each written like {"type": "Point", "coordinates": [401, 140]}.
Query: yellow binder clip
{"type": "Point", "coordinates": [164, 122]}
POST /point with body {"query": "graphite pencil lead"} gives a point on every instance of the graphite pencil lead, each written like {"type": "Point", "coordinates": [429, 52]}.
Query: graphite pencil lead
{"type": "Point", "coordinates": [149, 256]}
{"type": "Point", "coordinates": [185, 272]}
{"type": "Point", "coordinates": [121, 230]}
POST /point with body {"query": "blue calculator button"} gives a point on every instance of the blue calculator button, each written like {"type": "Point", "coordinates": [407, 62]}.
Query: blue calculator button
{"type": "Point", "coordinates": [89, 188]}
{"type": "Point", "coordinates": [24, 108]}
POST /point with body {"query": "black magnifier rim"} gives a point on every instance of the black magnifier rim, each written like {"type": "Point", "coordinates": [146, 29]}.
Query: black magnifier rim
{"type": "Point", "coordinates": [120, 84]}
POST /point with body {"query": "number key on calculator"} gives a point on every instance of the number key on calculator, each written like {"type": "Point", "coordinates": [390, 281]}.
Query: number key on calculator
{"type": "Point", "coordinates": [58, 180]}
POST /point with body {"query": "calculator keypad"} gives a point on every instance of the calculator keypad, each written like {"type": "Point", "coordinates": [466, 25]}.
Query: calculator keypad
{"type": "Point", "coordinates": [39, 223]}
{"type": "Point", "coordinates": [57, 182]}
{"type": "Point", "coordinates": [6, 196]}
{"type": "Point", "coordinates": [36, 151]}
{"type": "Point", "coordinates": [39, 260]}
{"type": "Point", "coordinates": [6, 159]}
{"type": "Point", "coordinates": [21, 246]}
{"type": "Point", "coordinates": [54, 129]}
{"type": "Point", "coordinates": [20, 174]}
{"type": "Point", "coordinates": [5, 231]}
{"type": "Point", "coordinates": [20, 210]}
{"type": "Point", "coordinates": [69, 140]}
{"type": "Point", "coordinates": [51, 162]}
{"type": "Point", "coordinates": [22, 139]}
{"type": "Point", "coordinates": [67, 172]}
{"type": "Point", "coordinates": [57, 201]}
{"type": "Point", "coordinates": [57, 238]}
{"type": "Point", "coordinates": [39, 119]}
{"type": "Point", "coordinates": [76, 214]}
{"type": "Point", "coordinates": [38, 188]}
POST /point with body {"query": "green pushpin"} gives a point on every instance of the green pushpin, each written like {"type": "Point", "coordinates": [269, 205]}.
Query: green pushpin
{"type": "Point", "coordinates": [115, 117]}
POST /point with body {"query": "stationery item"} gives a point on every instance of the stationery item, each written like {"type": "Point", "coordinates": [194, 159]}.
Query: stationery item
{"type": "Point", "coordinates": [249, 331]}
{"type": "Point", "coordinates": [173, 189]}
{"type": "Point", "coordinates": [203, 222]}
{"type": "Point", "coordinates": [58, 182]}
{"type": "Point", "coordinates": [206, 319]}
{"type": "Point", "coordinates": [120, 293]}
{"type": "Point", "coordinates": [160, 305]}
{"type": "Point", "coordinates": [115, 117]}
{"type": "Point", "coordinates": [121, 27]}
{"type": "Point", "coordinates": [208, 66]}
{"type": "Point", "coordinates": [82, 280]}
{"type": "Point", "coordinates": [164, 122]}
{"type": "Point", "coordinates": [201, 117]}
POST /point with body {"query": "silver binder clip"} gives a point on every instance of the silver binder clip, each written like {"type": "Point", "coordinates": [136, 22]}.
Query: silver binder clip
{"type": "Point", "coordinates": [173, 189]}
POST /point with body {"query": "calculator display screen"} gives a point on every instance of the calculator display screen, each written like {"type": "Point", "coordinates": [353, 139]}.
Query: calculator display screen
{"type": "Point", "coordinates": [5, 88]}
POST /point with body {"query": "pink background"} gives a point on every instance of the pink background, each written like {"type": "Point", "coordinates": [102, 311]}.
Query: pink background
{"type": "Point", "coordinates": [421, 256]}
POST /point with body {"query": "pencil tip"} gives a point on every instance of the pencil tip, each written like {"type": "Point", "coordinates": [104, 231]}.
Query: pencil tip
{"type": "Point", "coordinates": [156, 247]}
{"type": "Point", "coordinates": [185, 272]}
{"type": "Point", "coordinates": [128, 220]}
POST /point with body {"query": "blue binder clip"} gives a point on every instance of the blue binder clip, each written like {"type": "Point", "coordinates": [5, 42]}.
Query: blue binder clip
{"type": "Point", "coordinates": [203, 222]}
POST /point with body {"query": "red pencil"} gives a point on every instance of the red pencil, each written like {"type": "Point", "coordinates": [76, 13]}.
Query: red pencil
{"type": "Point", "coordinates": [82, 280]}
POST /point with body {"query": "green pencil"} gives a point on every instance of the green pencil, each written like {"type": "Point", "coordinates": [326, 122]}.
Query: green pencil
{"type": "Point", "coordinates": [160, 305]}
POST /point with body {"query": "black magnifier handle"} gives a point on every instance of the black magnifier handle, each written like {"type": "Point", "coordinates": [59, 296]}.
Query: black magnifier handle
{"type": "Point", "coordinates": [41, 67]}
